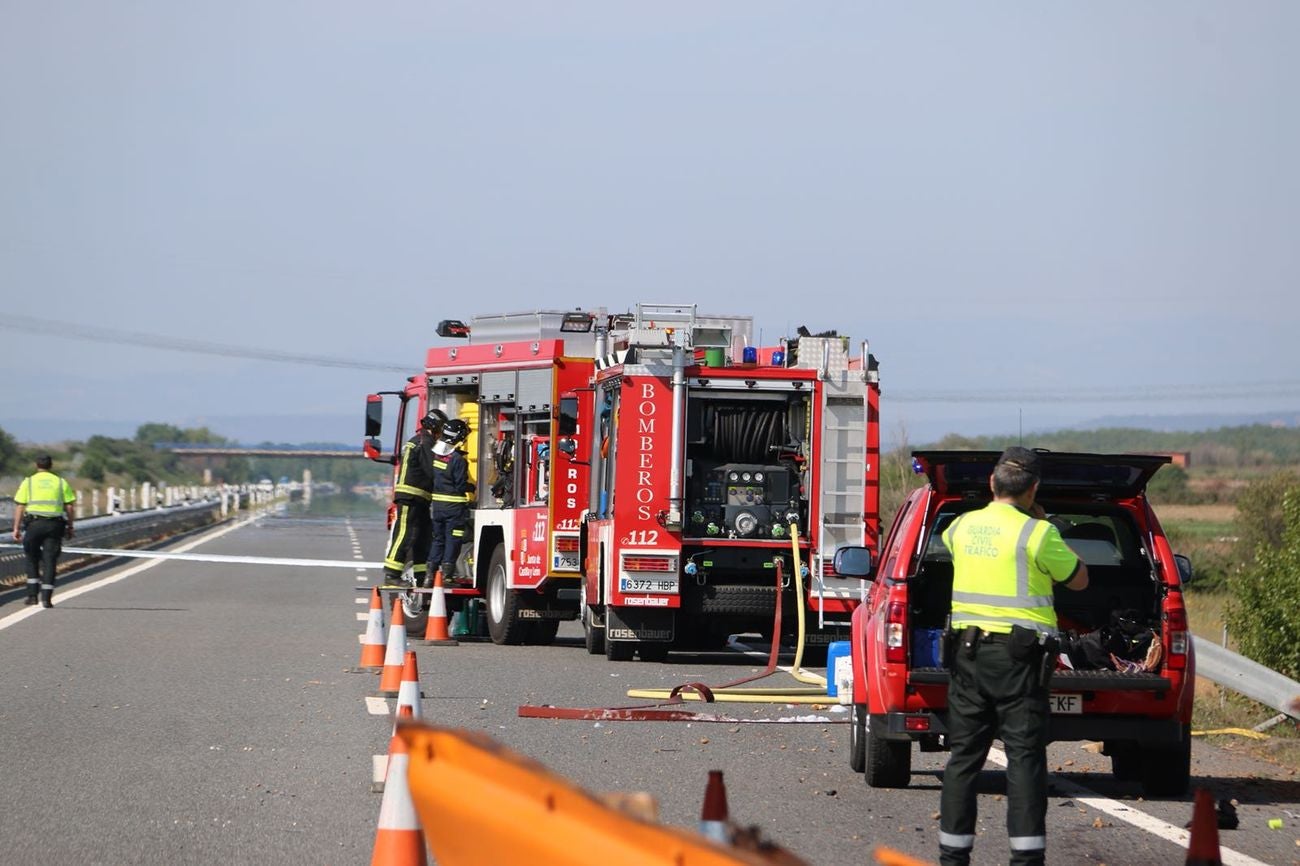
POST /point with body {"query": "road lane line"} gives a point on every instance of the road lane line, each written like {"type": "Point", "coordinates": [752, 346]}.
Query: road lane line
{"type": "Point", "coordinates": [362, 617]}
{"type": "Point", "coordinates": [1129, 815]}
{"type": "Point", "coordinates": [360, 600]}
{"type": "Point", "coordinates": [377, 706]}
{"type": "Point", "coordinates": [65, 594]}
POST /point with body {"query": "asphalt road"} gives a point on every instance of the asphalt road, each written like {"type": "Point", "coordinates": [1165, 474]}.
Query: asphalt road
{"type": "Point", "coordinates": [203, 713]}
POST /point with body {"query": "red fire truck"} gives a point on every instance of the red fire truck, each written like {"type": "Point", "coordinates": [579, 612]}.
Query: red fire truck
{"type": "Point", "coordinates": [508, 382]}
{"type": "Point", "coordinates": [710, 461]}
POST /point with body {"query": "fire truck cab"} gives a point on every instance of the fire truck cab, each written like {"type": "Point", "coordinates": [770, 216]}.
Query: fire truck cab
{"type": "Point", "coordinates": [508, 381]}
{"type": "Point", "coordinates": [722, 479]}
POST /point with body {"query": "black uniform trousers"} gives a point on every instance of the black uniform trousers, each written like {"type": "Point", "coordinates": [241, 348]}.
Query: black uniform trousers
{"type": "Point", "coordinates": [43, 542]}
{"type": "Point", "coordinates": [994, 695]}
{"type": "Point", "coordinates": [450, 522]}
{"type": "Point", "coordinates": [409, 540]}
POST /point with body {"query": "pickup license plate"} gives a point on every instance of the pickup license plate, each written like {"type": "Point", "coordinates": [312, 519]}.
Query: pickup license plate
{"type": "Point", "coordinates": [647, 584]}
{"type": "Point", "coordinates": [566, 562]}
{"type": "Point", "coordinates": [1069, 705]}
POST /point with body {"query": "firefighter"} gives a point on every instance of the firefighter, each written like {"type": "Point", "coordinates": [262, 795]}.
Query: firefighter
{"type": "Point", "coordinates": [451, 489]}
{"type": "Point", "coordinates": [43, 519]}
{"type": "Point", "coordinates": [1006, 560]}
{"type": "Point", "coordinates": [411, 495]}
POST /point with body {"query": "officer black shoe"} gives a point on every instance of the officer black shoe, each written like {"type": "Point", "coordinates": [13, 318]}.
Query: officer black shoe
{"type": "Point", "coordinates": [46, 601]}
{"type": "Point", "coordinates": [31, 599]}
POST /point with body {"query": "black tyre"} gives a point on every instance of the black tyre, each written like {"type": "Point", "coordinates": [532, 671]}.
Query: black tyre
{"type": "Point", "coordinates": [593, 635]}
{"type": "Point", "coordinates": [1167, 771]}
{"type": "Point", "coordinates": [653, 652]}
{"type": "Point", "coordinates": [504, 624]}
{"type": "Point", "coordinates": [619, 650]}
{"type": "Point", "coordinates": [1125, 761]}
{"type": "Point", "coordinates": [858, 738]}
{"type": "Point", "coordinates": [543, 631]}
{"type": "Point", "coordinates": [888, 763]}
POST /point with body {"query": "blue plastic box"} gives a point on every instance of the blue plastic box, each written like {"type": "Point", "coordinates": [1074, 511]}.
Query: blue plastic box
{"type": "Point", "coordinates": [926, 652]}
{"type": "Point", "coordinates": [837, 653]}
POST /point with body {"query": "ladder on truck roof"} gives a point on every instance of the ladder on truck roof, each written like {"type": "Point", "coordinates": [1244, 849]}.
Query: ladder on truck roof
{"type": "Point", "coordinates": [841, 505]}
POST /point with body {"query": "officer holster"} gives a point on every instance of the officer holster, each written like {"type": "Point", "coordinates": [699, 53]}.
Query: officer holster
{"type": "Point", "coordinates": [1027, 645]}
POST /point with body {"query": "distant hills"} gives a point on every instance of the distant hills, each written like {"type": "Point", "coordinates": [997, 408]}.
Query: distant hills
{"type": "Point", "coordinates": [347, 428]}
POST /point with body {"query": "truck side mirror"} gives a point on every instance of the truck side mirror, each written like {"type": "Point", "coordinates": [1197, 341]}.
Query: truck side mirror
{"type": "Point", "coordinates": [568, 447]}
{"type": "Point", "coordinates": [1185, 572]}
{"type": "Point", "coordinates": [853, 560]}
{"type": "Point", "coordinates": [374, 415]}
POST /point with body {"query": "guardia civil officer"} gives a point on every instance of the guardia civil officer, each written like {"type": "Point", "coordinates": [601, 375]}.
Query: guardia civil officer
{"type": "Point", "coordinates": [43, 519]}
{"type": "Point", "coordinates": [411, 495]}
{"type": "Point", "coordinates": [1006, 561]}
{"type": "Point", "coordinates": [451, 485]}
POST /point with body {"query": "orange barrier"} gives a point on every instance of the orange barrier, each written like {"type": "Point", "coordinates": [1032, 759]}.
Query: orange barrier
{"type": "Point", "coordinates": [390, 682]}
{"type": "Point", "coordinates": [408, 693]}
{"type": "Point", "coordinates": [435, 631]}
{"type": "Point", "coordinates": [398, 840]}
{"type": "Point", "coordinates": [889, 857]}
{"type": "Point", "coordinates": [484, 804]}
{"type": "Point", "coordinates": [372, 644]}
{"type": "Point", "coordinates": [1203, 845]}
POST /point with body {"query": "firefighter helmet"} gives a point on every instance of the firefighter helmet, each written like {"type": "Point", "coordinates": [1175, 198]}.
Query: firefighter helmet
{"type": "Point", "coordinates": [433, 421]}
{"type": "Point", "coordinates": [454, 431]}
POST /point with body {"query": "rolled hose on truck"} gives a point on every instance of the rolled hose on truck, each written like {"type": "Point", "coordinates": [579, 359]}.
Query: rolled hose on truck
{"type": "Point", "coordinates": [730, 693]}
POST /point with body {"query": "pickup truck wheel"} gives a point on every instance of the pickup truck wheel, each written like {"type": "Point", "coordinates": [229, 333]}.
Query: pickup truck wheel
{"type": "Point", "coordinates": [593, 636]}
{"type": "Point", "coordinates": [1167, 772]}
{"type": "Point", "coordinates": [858, 738]}
{"type": "Point", "coordinates": [1125, 761]}
{"type": "Point", "coordinates": [504, 624]}
{"type": "Point", "coordinates": [888, 763]}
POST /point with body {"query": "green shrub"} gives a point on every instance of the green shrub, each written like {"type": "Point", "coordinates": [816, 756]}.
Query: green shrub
{"type": "Point", "coordinates": [1265, 614]}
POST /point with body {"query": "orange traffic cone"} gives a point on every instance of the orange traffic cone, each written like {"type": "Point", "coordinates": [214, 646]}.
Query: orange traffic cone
{"type": "Point", "coordinates": [379, 763]}
{"type": "Point", "coordinates": [435, 632]}
{"type": "Point", "coordinates": [398, 840]}
{"type": "Point", "coordinates": [372, 643]}
{"type": "Point", "coordinates": [714, 816]}
{"type": "Point", "coordinates": [1203, 846]}
{"type": "Point", "coordinates": [390, 682]}
{"type": "Point", "coordinates": [408, 693]}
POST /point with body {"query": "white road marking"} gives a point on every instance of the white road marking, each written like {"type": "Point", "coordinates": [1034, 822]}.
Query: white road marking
{"type": "Point", "coordinates": [1129, 815]}
{"type": "Point", "coordinates": [362, 617]}
{"type": "Point", "coordinates": [361, 578]}
{"type": "Point", "coordinates": [65, 594]}
{"type": "Point", "coordinates": [360, 600]}
{"type": "Point", "coordinates": [378, 769]}
{"type": "Point", "coordinates": [376, 706]}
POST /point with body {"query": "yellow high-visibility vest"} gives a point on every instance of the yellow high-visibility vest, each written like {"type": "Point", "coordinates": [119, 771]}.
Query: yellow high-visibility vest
{"type": "Point", "coordinates": [45, 494]}
{"type": "Point", "coordinates": [1005, 564]}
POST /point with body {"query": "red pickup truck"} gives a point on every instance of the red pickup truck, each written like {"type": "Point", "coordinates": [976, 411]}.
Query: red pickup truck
{"type": "Point", "coordinates": [1138, 703]}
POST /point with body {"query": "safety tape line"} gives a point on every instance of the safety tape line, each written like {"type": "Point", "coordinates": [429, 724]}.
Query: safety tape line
{"type": "Point", "coordinates": [615, 714]}
{"type": "Point", "coordinates": [215, 557]}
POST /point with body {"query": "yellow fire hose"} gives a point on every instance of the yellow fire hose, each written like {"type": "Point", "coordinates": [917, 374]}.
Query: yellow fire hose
{"type": "Point", "coordinates": [815, 695]}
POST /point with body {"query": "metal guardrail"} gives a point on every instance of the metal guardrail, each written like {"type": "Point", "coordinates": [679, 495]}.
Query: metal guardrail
{"type": "Point", "coordinates": [121, 530]}
{"type": "Point", "coordinates": [1230, 670]}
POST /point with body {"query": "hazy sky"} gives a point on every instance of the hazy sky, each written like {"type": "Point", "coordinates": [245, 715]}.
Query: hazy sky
{"type": "Point", "coordinates": [1047, 208]}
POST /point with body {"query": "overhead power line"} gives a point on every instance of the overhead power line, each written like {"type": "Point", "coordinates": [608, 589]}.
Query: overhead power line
{"type": "Point", "coordinates": [141, 340]}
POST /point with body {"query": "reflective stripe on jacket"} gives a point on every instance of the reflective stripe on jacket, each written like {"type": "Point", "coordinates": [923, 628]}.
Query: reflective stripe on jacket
{"type": "Point", "coordinates": [415, 470]}
{"type": "Point", "coordinates": [1005, 564]}
{"type": "Point", "coordinates": [45, 494]}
